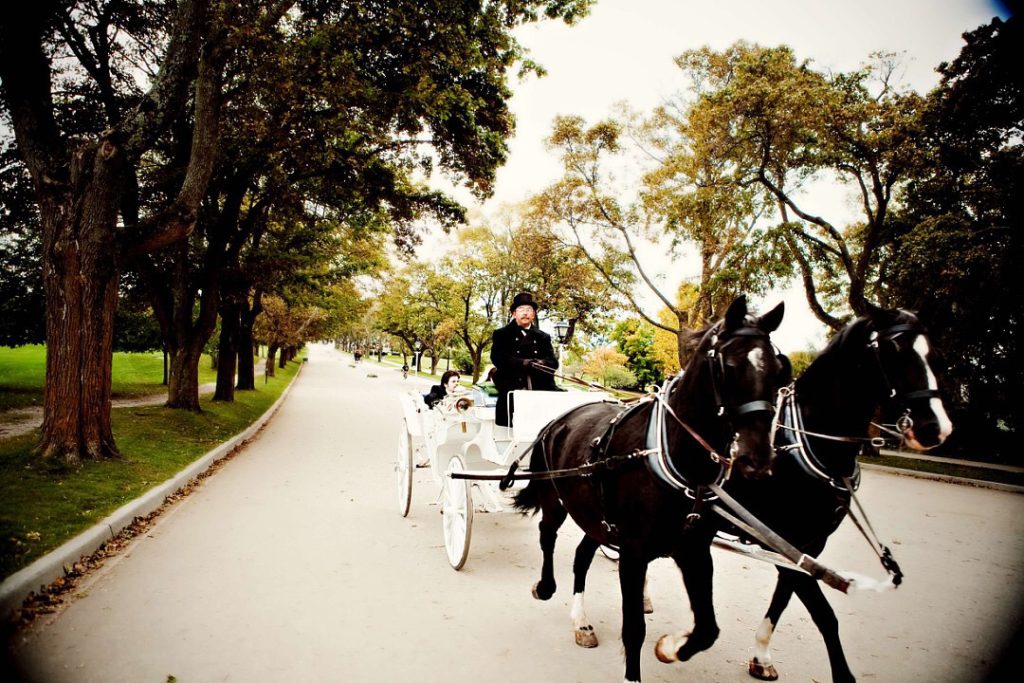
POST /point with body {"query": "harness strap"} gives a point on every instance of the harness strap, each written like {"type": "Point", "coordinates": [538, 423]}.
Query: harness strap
{"type": "Point", "coordinates": [586, 470]}
{"type": "Point", "coordinates": [881, 550]}
{"type": "Point", "coordinates": [756, 528]}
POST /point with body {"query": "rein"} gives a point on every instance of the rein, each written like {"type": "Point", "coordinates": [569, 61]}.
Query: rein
{"type": "Point", "coordinates": [635, 396]}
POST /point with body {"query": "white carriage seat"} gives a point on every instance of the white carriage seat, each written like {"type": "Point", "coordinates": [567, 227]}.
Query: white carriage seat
{"type": "Point", "coordinates": [412, 403]}
{"type": "Point", "coordinates": [535, 409]}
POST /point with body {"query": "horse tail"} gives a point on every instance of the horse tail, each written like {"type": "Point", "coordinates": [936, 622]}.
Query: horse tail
{"type": "Point", "coordinates": [529, 499]}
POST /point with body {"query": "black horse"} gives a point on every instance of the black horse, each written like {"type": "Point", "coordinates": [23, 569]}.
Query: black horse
{"type": "Point", "coordinates": [881, 361]}
{"type": "Point", "coordinates": [646, 465]}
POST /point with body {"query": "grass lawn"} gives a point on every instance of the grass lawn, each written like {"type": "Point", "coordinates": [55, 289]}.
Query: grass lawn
{"type": "Point", "coordinates": [948, 469]}
{"type": "Point", "coordinates": [41, 507]}
{"type": "Point", "coordinates": [23, 370]}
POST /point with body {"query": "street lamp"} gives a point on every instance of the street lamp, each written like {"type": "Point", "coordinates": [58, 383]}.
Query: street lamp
{"type": "Point", "coordinates": [562, 332]}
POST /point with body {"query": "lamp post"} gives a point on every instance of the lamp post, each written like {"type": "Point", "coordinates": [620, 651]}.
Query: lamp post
{"type": "Point", "coordinates": [561, 331]}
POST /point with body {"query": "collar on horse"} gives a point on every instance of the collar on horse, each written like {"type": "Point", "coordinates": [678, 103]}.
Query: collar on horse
{"type": "Point", "coordinates": [659, 459]}
{"type": "Point", "coordinates": [789, 436]}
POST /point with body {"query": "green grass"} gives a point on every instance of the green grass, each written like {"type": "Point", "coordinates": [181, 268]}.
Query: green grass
{"type": "Point", "coordinates": [42, 507]}
{"type": "Point", "coordinates": [947, 469]}
{"type": "Point", "coordinates": [23, 371]}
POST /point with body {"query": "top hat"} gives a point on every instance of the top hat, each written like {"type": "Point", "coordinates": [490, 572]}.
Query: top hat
{"type": "Point", "coordinates": [523, 299]}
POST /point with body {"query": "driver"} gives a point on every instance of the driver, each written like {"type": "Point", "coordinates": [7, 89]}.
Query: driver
{"type": "Point", "coordinates": [522, 356]}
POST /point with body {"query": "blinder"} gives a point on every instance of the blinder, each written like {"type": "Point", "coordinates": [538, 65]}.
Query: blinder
{"type": "Point", "coordinates": [716, 362]}
{"type": "Point", "coordinates": [904, 424]}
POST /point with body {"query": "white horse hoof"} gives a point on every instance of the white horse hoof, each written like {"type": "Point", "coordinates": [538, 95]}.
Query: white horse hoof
{"type": "Point", "coordinates": [662, 651]}
{"type": "Point", "coordinates": [585, 636]}
{"type": "Point", "coordinates": [764, 672]}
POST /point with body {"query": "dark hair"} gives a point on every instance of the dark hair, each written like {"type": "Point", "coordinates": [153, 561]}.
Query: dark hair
{"type": "Point", "coordinates": [448, 374]}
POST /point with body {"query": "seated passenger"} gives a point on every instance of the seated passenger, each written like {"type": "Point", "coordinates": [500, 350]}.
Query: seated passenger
{"type": "Point", "coordinates": [447, 388]}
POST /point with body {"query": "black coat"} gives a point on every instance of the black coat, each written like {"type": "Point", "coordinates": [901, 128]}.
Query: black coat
{"type": "Point", "coordinates": [513, 353]}
{"type": "Point", "coordinates": [436, 394]}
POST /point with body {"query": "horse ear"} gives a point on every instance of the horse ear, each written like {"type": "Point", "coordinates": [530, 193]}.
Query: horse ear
{"type": "Point", "coordinates": [770, 321]}
{"type": "Point", "coordinates": [880, 316]}
{"type": "Point", "coordinates": [736, 314]}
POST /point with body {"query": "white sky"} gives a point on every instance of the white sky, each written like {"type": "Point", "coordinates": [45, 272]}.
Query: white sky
{"type": "Point", "coordinates": [623, 52]}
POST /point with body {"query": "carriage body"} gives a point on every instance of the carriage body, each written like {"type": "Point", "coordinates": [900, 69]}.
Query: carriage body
{"type": "Point", "coordinates": [462, 439]}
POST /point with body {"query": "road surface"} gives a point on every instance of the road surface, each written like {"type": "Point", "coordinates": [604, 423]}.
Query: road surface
{"type": "Point", "coordinates": [292, 564]}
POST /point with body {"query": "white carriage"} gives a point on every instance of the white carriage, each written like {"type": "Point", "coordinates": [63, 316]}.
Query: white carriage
{"type": "Point", "coordinates": [459, 436]}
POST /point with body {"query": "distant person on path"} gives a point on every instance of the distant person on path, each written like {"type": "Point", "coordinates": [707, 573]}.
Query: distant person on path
{"type": "Point", "coordinates": [522, 355]}
{"type": "Point", "coordinates": [447, 388]}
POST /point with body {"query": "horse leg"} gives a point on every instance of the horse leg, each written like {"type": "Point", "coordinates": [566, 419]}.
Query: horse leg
{"type": "Point", "coordinates": [694, 560]}
{"type": "Point", "coordinates": [760, 665]}
{"type": "Point", "coordinates": [582, 628]}
{"type": "Point", "coordinates": [648, 605]}
{"type": "Point", "coordinates": [551, 520]}
{"type": "Point", "coordinates": [824, 617]}
{"type": "Point", "coordinates": [632, 573]}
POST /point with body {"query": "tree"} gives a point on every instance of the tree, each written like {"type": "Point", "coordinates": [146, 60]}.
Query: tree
{"type": "Point", "coordinates": [960, 234]}
{"type": "Point", "coordinates": [785, 124]}
{"type": "Point", "coordinates": [608, 366]}
{"type": "Point", "coordinates": [685, 198]}
{"type": "Point", "coordinates": [83, 184]}
{"type": "Point", "coordinates": [635, 339]}
{"type": "Point", "coordinates": [80, 182]}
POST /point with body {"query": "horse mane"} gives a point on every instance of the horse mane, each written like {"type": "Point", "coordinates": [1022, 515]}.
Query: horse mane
{"type": "Point", "coordinates": [853, 336]}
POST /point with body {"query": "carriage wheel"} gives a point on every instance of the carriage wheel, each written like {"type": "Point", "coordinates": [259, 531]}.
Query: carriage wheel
{"type": "Point", "coordinates": [404, 468]}
{"type": "Point", "coordinates": [457, 516]}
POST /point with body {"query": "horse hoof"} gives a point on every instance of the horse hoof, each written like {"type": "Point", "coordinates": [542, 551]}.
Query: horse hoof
{"type": "Point", "coordinates": [541, 595]}
{"type": "Point", "coordinates": [764, 672]}
{"type": "Point", "coordinates": [585, 636]}
{"type": "Point", "coordinates": [648, 606]}
{"type": "Point", "coordinates": [663, 651]}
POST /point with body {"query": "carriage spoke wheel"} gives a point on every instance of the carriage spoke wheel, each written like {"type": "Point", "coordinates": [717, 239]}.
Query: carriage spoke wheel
{"type": "Point", "coordinates": [404, 468]}
{"type": "Point", "coordinates": [457, 516]}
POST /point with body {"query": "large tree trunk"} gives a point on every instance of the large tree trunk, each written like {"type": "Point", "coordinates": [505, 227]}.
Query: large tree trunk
{"type": "Point", "coordinates": [246, 358]}
{"type": "Point", "coordinates": [227, 352]}
{"type": "Point", "coordinates": [271, 357]}
{"type": "Point", "coordinates": [247, 346]}
{"type": "Point", "coordinates": [183, 389]}
{"type": "Point", "coordinates": [80, 279]}
{"type": "Point", "coordinates": [185, 336]}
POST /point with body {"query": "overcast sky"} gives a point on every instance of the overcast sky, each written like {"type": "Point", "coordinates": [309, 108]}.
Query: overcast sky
{"type": "Point", "coordinates": [623, 52]}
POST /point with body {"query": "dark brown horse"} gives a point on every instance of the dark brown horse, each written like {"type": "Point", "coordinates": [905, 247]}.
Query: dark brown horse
{"type": "Point", "coordinates": [646, 465]}
{"type": "Point", "coordinates": [883, 360]}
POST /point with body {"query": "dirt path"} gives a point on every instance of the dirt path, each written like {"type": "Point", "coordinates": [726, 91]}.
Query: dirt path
{"type": "Point", "coordinates": [23, 420]}
{"type": "Point", "coordinates": [292, 564]}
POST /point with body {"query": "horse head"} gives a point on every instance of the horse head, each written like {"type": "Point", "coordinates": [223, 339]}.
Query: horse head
{"type": "Point", "coordinates": [737, 364]}
{"type": "Point", "coordinates": [898, 344]}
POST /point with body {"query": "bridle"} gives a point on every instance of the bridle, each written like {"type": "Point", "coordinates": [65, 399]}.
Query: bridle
{"type": "Point", "coordinates": [904, 424]}
{"type": "Point", "coordinates": [658, 456]}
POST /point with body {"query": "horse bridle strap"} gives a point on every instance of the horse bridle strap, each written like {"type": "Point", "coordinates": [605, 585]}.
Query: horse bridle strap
{"type": "Point", "coordinates": [714, 354]}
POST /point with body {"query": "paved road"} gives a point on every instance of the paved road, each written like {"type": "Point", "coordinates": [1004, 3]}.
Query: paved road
{"type": "Point", "coordinates": [292, 564]}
